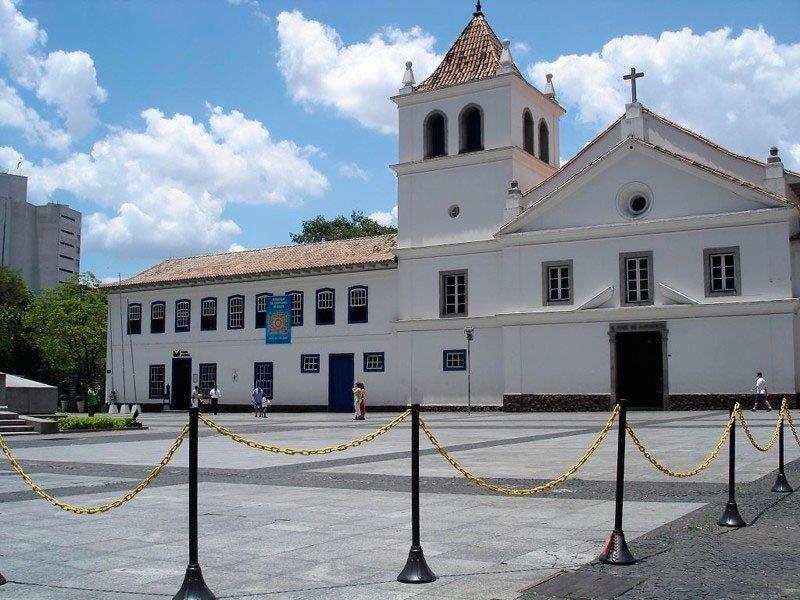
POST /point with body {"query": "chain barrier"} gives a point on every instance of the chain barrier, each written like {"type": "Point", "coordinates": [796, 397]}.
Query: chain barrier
{"type": "Point", "coordinates": [773, 438]}
{"type": "Point", "coordinates": [93, 510]}
{"type": "Point", "coordinates": [304, 451]}
{"type": "Point", "coordinates": [509, 491]}
{"type": "Point", "coordinates": [791, 426]}
{"type": "Point", "coordinates": [702, 466]}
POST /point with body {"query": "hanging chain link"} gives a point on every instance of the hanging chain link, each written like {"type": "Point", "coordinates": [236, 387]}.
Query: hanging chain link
{"type": "Point", "coordinates": [773, 438]}
{"type": "Point", "coordinates": [93, 510]}
{"type": "Point", "coordinates": [791, 426]}
{"type": "Point", "coordinates": [702, 466]}
{"type": "Point", "coordinates": [304, 451]}
{"type": "Point", "coordinates": [509, 491]}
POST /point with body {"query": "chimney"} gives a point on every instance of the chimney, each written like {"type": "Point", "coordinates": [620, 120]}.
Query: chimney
{"type": "Point", "coordinates": [513, 202]}
{"type": "Point", "coordinates": [408, 80]}
{"type": "Point", "coordinates": [775, 176]}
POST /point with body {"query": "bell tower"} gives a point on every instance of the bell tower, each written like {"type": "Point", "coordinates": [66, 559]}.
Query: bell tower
{"type": "Point", "coordinates": [466, 132]}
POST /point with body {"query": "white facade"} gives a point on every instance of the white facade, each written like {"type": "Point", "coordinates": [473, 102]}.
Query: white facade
{"type": "Point", "coordinates": [671, 260]}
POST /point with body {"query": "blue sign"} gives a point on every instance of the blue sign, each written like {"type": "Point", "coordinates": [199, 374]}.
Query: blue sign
{"type": "Point", "coordinates": [279, 320]}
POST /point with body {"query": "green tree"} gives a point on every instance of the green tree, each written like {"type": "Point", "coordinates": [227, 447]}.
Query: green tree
{"type": "Point", "coordinates": [68, 325]}
{"type": "Point", "coordinates": [16, 354]}
{"type": "Point", "coordinates": [320, 229]}
{"type": "Point", "coordinates": [14, 292]}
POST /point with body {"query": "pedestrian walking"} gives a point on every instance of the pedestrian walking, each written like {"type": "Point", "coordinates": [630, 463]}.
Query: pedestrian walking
{"type": "Point", "coordinates": [265, 402]}
{"type": "Point", "coordinates": [258, 396]}
{"type": "Point", "coordinates": [215, 394]}
{"type": "Point", "coordinates": [197, 397]}
{"type": "Point", "coordinates": [359, 401]}
{"type": "Point", "coordinates": [761, 392]}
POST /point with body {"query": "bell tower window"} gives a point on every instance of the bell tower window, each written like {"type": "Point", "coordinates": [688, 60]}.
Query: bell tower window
{"type": "Point", "coordinates": [544, 142]}
{"type": "Point", "coordinates": [435, 135]}
{"type": "Point", "coordinates": [527, 131]}
{"type": "Point", "coordinates": [471, 129]}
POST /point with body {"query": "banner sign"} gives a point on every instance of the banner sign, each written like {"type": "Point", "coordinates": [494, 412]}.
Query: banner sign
{"type": "Point", "coordinates": [279, 320]}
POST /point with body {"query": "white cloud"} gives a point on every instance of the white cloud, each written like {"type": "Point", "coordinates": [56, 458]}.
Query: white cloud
{"type": "Point", "coordinates": [254, 6]}
{"type": "Point", "coordinates": [742, 92]}
{"type": "Point", "coordinates": [14, 113]}
{"type": "Point", "coordinates": [164, 189]}
{"type": "Point", "coordinates": [520, 48]}
{"type": "Point", "coordinates": [236, 248]}
{"type": "Point", "coordinates": [20, 38]}
{"type": "Point", "coordinates": [353, 171]}
{"type": "Point", "coordinates": [358, 79]}
{"type": "Point", "coordinates": [385, 218]}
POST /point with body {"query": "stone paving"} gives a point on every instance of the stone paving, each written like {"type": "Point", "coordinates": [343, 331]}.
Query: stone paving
{"type": "Point", "coordinates": [337, 526]}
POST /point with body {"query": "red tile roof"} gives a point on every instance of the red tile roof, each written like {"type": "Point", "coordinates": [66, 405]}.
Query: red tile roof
{"type": "Point", "coordinates": [268, 261]}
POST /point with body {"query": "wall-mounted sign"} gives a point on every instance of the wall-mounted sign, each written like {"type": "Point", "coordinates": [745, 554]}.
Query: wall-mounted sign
{"type": "Point", "coordinates": [180, 354]}
{"type": "Point", "coordinates": [279, 320]}
{"type": "Point", "coordinates": [235, 374]}
{"type": "Point", "coordinates": [195, 378]}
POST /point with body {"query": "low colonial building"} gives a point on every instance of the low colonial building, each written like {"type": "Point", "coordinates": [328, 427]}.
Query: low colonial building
{"type": "Point", "coordinates": [654, 265]}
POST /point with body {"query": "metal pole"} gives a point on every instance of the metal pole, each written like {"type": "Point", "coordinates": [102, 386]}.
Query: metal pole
{"type": "Point", "coordinates": [781, 483]}
{"type": "Point", "coordinates": [469, 375]}
{"type": "Point", "coordinates": [416, 569]}
{"type": "Point", "coordinates": [194, 587]}
{"type": "Point", "coordinates": [616, 550]}
{"type": "Point", "coordinates": [731, 516]}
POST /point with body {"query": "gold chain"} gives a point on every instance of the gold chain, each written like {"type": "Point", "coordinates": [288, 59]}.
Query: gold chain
{"type": "Point", "coordinates": [702, 466]}
{"type": "Point", "coordinates": [791, 426]}
{"type": "Point", "coordinates": [304, 451]}
{"type": "Point", "coordinates": [93, 510]}
{"type": "Point", "coordinates": [509, 491]}
{"type": "Point", "coordinates": [773, 438]}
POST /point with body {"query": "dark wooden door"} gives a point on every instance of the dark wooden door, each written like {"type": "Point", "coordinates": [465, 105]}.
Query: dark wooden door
{"type": "Point", "coordinates": [640, 369]}
{"type": "Point", "coordinates": [181, 383]}
{"type": "Point", "coordinates": [340, 382]}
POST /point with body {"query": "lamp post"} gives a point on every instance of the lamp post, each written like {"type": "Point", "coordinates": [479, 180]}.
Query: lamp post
{"type": "Point", "coordinates": [469, 332]}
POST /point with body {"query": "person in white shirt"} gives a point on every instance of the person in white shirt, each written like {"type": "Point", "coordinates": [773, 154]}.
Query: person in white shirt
{"type": "Point", "coordinates": [215, 394]}
{"type": "Point", "coordinates": [761, 392]}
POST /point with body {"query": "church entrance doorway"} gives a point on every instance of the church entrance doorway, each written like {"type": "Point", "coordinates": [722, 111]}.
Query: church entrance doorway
{"type": "Point", "coordinates": [341, 380]}
{"type": "Point", "coordinates": [639, 365]}
{"type": "Point", "coordinates": [181, 383]}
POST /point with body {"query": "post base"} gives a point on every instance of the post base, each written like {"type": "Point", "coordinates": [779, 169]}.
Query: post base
{"type": "Point", "coordinates": [731, 516]}
{"type": "Point", "coordinates": [616, 551]}
{"type": "Point", "coordinates": [416, 569]}
{"type": "Point", "coordinates": [2, 579]}
{"type": "Point", "coordinates": [194, 587]}
{"type": "Point", "coordinates": [781, 484]}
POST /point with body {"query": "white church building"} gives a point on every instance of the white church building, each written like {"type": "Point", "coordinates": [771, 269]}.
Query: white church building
{"type": "Point", "coordinates": [654, 265]}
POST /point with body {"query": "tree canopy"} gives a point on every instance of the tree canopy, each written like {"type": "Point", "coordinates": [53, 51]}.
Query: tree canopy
{"type": "Point", "coordinates": [16, 354]}
{"type": "Point", "coordinates": [14, 292]}
{"type": "Point", "coordinates": [320, 229]}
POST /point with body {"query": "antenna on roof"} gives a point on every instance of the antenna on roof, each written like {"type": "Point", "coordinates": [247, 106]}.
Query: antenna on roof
{"type": "Point", "coordinates": [477, 9]}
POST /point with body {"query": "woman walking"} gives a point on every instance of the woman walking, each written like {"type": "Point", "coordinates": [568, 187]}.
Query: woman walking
{"type": "Point", "coordinates": [258, 396]}
{"type": "Point", "coordinates": [359, 401]}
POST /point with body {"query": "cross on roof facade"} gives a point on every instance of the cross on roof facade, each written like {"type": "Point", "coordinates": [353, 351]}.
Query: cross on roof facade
{"type": "Point", "coordinates": [633, 77]}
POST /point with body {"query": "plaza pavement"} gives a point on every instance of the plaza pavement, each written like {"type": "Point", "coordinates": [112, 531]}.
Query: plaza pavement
{"type": "Point", "coordinates": [338, 526]}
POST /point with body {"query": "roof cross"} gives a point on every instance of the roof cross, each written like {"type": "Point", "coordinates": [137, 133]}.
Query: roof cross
{"type": "Point", "coordinates": [633, 77]}
{"type": "Point", "coordinates": [477, 9]}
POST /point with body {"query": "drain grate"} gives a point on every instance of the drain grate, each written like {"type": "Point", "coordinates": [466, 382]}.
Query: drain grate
{"type": "Point", "coordinates": [582, 585]}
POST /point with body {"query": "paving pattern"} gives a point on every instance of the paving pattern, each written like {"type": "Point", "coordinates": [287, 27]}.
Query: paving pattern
{"type": "Point", "coordinates": [337, 526]}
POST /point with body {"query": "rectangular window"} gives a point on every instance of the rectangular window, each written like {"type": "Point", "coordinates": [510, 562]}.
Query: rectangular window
{"type": "Point", "coordinates": [208, 314]}
{"type": "Point", "coordinates": [326, 309]}
{"type": "Point", "coordinates": [66, 257]}
{"type": "Point", "coordinates": [236, 312]}
{"type": "Point", "coordinates": [454, 360]}
{"type": "Point", "coordinates": [262, 375]}
{"type": "Point", "coordinates": [157, 381]}
{"type": "Point", "coordinates": [134, 319]}
{"type": "Point", "coordinates": [357, 304]}
{"type": "Point", "coordinates": [68, 218]}
{"type": "Point", "coordinates": [374, 362]}
{"type": "Point", "coordinates": [636, 277]}
{"type": "Point", "coordinates": [297, 308]}
{"type": "Point", "coordinates": [66, 271]}
{"type": "Point", "coordinates": [67, 245]}
{"type": "Point", "coordinates": [182, 315]}
{"type": "Point", "coordinates": [208, 377]}
{"type": "Point", "coordinates": [67, 232]}
{"type": "Point", "coordinates": [722, 272]}
{"type": "Point", "coordinates": [158, 317]}
{"type": "Point", "coordinates": [453, 294]}
{"type": "Point", "coordinates": [557, 282]}
{"type": "Point", "coordinates": [261, 310]}
{"type": "Point", "coordinates": [309, 363]}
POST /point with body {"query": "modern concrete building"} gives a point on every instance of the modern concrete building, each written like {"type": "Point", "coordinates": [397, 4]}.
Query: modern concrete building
{"type": "Point", "coordinates": [43, 243]}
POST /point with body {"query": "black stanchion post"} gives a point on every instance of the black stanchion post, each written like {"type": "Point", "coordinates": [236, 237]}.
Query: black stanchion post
{"type": "Point", "coordinates": [781, 483]}
{"type": "Point", "coordinates": [731, 516]}
{"type": "Point", "coordinates": [194, 587]}
{"type": "Point", "coordinates": [616, 550]}
{"type": "Point", "coordinates": [416, 569]}
{"type": "Point", "coordinates": [2, 579]}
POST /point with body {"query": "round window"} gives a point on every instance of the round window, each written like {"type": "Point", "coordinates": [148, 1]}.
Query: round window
{"type": "Point", "coordinates": [638, 204]}
{"type": "Point", "coordinates": [453, 211]}
{"type": "Point", "coordinates": [634, 200]}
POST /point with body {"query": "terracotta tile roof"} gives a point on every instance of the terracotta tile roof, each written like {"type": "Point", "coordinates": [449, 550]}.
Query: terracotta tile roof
{"type": "Point", "coordinates": [267, 261]}
{"type": "Point", "coordinates": [474, 55]}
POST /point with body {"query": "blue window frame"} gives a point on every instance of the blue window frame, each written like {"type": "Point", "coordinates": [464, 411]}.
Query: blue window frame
{"type": "Point", "coordinates": [208, 377]}
{"type": "Point", "coordinates": [357, 304]}
{"type": "Point", "coordinates": [183, 315]}
{"type": "Point", "coordinates": [261, 310]}
{"type": "Point", "coordinates": [158, 317]}
{"type": "Point", "coordinates": [236, 312]}
{"type": "Point", "coordinates": [309, 363]}
{"type": "Point", "coordinates": [454, 360]}
{"type": "Point", "coordinates": [208, 314]}
{"type": "Point", "coordinates": [374, 362]}
{"type": "Point", "coordinates": [297, 307]}
{"type": "Point", "coordinates": [134, 318]}
{"type": "Point", "coordinates": [156, 383]}
{"type": "Point", "coordinates": [326, 306]}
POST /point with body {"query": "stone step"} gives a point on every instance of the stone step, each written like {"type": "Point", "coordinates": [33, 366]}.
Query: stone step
{"type": "Point", "coordinates": [4, 429]}
{"type": "Point", "coordinates": [8, 416]}
{"type": "Point", "coordinates": [18, 433]}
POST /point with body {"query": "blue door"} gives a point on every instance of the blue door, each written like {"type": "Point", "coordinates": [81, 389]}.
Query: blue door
{"type": "Point", "coordinates": [340, 382]}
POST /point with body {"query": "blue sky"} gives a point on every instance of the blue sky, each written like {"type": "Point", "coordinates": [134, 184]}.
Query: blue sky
{"type": "Point", "coordinates": [262, 114]}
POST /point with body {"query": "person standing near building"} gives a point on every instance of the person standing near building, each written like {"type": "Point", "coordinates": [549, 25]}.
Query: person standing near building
{"type": "Point", "coordinates": [761, 392]}
{"type": "Point", "coordinates": [215, 394]}
{"type": "Point", "coordinates": [197, 397]}
{"type": "Point", "coordinates": [359, 397]}
{"type": "Point", "coordinates": [258, 396]}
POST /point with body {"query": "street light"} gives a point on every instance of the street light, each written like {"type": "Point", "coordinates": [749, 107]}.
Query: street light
{"type": "Point", "coordinates": [469, 332]}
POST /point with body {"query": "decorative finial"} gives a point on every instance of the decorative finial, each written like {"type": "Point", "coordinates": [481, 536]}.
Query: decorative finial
{"type": "Point", "coordinates": [549, 90]}
{"type": "Point", "coordinates": [773, 155]}
{"type": "Point", "coordinates": [408, 80]}
{"type": "Point", "coordinates": [477, 9]}
{"type": "Point", "coordinates": [633, 77]}
{"type": "Point", "coordinates": [506, 62]}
